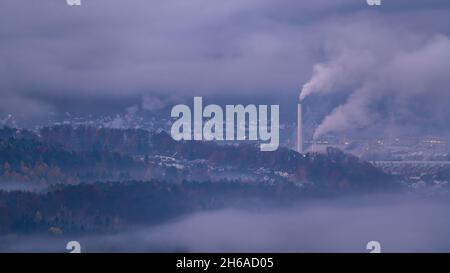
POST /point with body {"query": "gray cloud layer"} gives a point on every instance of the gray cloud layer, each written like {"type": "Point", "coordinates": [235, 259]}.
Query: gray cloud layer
{"type": "Point", "coordinates": [115, 48]}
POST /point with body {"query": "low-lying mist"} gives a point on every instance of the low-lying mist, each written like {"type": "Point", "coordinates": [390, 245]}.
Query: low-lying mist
{"type": "Point", "coordinates": [400, 223]}
{"type": "Point", "coordinates": [21, 186]}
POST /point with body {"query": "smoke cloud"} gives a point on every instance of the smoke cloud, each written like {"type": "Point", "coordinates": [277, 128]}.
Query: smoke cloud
{"type": "Point", "coordinates": [385, 72]}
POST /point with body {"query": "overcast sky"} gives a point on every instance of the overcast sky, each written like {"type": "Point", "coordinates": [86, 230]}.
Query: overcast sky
{"type": "Point", "coordinates": [394, 56]}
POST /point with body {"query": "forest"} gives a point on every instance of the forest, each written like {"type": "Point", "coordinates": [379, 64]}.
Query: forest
{"type": "Point", "coordinates": [100, 179]}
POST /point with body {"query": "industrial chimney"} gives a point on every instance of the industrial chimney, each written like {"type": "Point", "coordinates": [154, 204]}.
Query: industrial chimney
{"type": "Point", "coordinates": [299, 129]}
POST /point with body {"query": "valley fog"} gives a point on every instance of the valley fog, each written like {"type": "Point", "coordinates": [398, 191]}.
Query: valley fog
{"type": "Point", "coordinates": [400, 223]}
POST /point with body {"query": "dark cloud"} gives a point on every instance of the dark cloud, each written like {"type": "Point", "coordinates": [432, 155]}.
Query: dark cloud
{"type": "Point", "coordinates": [113, 49]}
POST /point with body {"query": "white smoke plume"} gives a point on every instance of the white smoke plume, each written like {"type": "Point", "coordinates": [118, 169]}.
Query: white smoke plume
{"type": "Point", "coordinates": [371, 63]}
